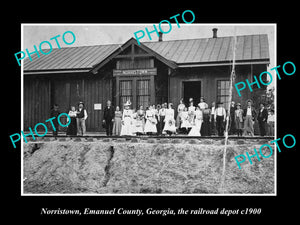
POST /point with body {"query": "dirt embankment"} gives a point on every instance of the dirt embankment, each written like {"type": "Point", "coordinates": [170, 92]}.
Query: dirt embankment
{"type": "Point", "coordinates": [163, 166]}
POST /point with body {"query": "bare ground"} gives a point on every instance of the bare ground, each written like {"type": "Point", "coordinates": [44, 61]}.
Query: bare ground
{"type": "Point", "coordinates": [174, 167]}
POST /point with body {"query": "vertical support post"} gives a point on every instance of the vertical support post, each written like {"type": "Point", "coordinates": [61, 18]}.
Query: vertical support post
{"type": "Point", "coordinates": [152, 90]}
{"type": "Point", "coordinates": [117, 95]}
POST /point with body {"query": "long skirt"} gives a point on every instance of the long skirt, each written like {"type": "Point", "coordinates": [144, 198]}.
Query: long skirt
{"type": "Point", "coordinates": [72, 128]}
{"type": "Point", "coordinates": [195, 131]}
{"type": "Point", "coordinates": [170, 125]}
{"type": "Point", "coordinates": [127, 127]}
{"type": "Point", "coordinates": [185, 124]}
{"type": "Point", "coordinates": [238, 124]}
{"type": "Point", "coordinates": [139, 126]}
{"type": "Point", "coordinates": [205, 128]}
{"type": "Point", "coordinates": [178, 121]}
{"type": "Point", "coordinates": [271, 128]}
{"type": "Point", "coordinates": [117, 126]}
{"type": "Point", "coordinates": [150, 127]}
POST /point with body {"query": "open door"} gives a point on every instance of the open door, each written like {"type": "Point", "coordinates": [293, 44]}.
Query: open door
{"type": "Point", "coordinates": [191, 89]}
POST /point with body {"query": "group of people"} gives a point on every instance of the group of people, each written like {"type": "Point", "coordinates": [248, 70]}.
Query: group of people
{"type": "Point", "coordinates": [77, 123]}
{"type": "Point", "coordinates": [199, 120]}
{"type": "Point", "coordinates": [152, 120]}
{"type": "Point", "coordinates": [242, 120]}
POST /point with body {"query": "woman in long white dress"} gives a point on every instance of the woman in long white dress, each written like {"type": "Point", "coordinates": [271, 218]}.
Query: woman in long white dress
{"type": "Point", "coordinates": [127, 121]}
{"type": "Point", "coordinates": [191, 112]}
{"type": "Point", "coordinates": [180, 108]}
{"type": "Point", "coordinates": [195, 131]}
{"type": "Point", "coordinates": [184, 118]}
{"type": "Point", "coordinates": [150, 126]}
{"type": "Point", "coordinates": [169, 120]}
{"type": "Point", "coordinates": [140, 121]}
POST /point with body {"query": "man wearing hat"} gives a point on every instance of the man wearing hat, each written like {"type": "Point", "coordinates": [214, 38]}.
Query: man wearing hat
{"type": "Point", "coordinates": [80, 118]}
{"type": "Point", "coordinates": [108, 118]}
{"type": "Point", "coordinates": [249, 115]}
{"type": "Point", "coordinates": [220, 115]}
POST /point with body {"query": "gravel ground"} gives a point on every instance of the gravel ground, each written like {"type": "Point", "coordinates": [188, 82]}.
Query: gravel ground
{"type": "Point", "coordinates": [149, 167]}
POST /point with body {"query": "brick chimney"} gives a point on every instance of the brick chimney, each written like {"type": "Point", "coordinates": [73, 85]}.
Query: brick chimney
{"type": "Point", "coordinates": [160, 36]}
{"type": "Point", "coordinates": [215, 32]}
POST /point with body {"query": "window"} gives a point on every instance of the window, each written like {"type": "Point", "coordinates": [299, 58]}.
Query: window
{"type": "Point", "coordinates": [143, 93]}
{"type": "Point", "coordinates": [125, 92]}
{"type": "Point", "coordinates": [223, 92]}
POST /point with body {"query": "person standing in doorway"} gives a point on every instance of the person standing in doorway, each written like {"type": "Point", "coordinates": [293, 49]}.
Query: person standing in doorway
{"type": "Point", "coordinates": [249, 115]}
{"type": "Point", "coordinates": [262, 118]}
{"type": "Point", "coordinates": [108, 118]}
{"type": "Point", "coordinates": [55, 113]}
{"type": "Point", "coordinates": [220, 115]}
{"type": "Point", "coordinates": [180, 108]}
{"type": "Point", "coordinates": [191, 112]}
{"type": "Point", "coordinates": [81, 117]}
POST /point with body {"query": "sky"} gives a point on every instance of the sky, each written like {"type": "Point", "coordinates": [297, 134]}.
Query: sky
{"type": "Point", "coordinates": [101, 34]}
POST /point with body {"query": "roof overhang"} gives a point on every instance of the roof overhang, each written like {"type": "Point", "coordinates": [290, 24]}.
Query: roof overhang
{"type": "Point", "coordinates": [225, 63]}
{"type": "Point", "coordinates": [33, 72]}
{"type": "Point", "coordinates": [131, 41]}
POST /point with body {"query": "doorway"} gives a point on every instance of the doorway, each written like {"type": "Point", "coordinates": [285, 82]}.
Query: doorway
{"type": "Point", "coordinates": [191, 89]}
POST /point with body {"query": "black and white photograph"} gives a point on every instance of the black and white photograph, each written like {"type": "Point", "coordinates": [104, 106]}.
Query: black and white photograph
{"type": "Point", "coordinates": [121, 113]}
{"type": "Point", "coordinates": [145, 109]}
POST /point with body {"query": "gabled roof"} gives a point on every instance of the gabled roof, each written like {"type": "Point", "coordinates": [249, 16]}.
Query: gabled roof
{"type": "Point", "coordinates": [202, 51]}
{"type": "Point", "coordinates": [131, 41]}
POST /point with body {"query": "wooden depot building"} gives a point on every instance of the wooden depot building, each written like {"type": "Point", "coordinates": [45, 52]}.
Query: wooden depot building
{"type": "Point", "coordinates": [149, 73]}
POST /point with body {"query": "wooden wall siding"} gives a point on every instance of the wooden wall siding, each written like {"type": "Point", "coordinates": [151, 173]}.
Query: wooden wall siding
{"type": "Point", "coordinates": [36, 101]}
{"type": "Point", "coordinates": [40, 93]}
{"type": "Point", "coordinates": [209, 77]}
{"type": "Point", "coordinates": [161, 83]}
{"type": "Point", "coordinates": [138, 63]}
{"type": "Point", "coordinates": [96, 90]}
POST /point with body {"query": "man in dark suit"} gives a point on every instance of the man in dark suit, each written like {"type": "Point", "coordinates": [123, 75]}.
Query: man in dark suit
{"type": "Point", "coordinates": [108, 118]}
{"type": "Point", "coordinates": [262, 119]}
